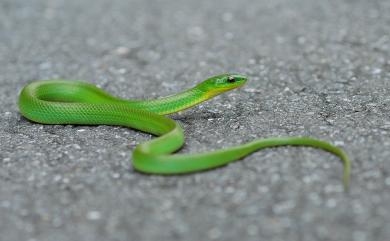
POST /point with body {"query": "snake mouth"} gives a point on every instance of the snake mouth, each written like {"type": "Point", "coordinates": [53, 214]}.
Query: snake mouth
{"type": "Point", "coordinates": [221, 90]}
{"type": "Point", "coordinates": [236, 85]}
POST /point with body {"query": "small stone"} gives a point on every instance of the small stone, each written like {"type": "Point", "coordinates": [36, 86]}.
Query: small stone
{"type": "Point", "coordinates": [57, 178]}
{"type": "Point", "coordinates": [116, 175]}
{"type": "Point", "coordinates": [122, 51]}
{"type": "Point", "coordinates": [227, 17]}
{"type": "Point", "coordinates": [376, 71]}
{"type": "Point", "coordinates": [214, 233]}
{"type": "Point", "coordinates": [122, 71]}
{"type": "Point", "coordinates": [339, 143]}
{"type": "Point", "coordinates": [387, 181]}
{"type": "Point", "coordinates": [93, 215]}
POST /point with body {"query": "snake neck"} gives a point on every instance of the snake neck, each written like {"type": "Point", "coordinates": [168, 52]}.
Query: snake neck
{"type": "Point", "coordinates": [173, 103]}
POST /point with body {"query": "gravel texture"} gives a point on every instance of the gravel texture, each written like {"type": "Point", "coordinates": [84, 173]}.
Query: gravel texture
{"type": "Point", "coordinates": [316, 68]}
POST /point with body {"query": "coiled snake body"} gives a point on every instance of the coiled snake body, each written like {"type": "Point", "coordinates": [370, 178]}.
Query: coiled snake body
{"type": "Point", "coordinates": [76, 102]}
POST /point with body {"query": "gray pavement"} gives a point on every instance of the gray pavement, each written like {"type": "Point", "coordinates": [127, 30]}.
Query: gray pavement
{"type": "Point", "coordinates": [316, 68]}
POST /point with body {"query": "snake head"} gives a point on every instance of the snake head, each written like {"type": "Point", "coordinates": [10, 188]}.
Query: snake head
{"type": "Point", "coordinates": [222, 83]}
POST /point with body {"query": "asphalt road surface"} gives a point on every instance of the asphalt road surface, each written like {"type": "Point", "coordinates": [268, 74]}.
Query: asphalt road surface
{"type": "Point", "coordinates": [316, 68]}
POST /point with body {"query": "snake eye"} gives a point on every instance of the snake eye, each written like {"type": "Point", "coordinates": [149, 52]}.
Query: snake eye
{"type": "Point", "coordinates": [231, 79]}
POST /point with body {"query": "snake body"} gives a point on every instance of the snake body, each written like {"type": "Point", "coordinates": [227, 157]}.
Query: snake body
{"type": "Point", "coordinates": [81, 103]}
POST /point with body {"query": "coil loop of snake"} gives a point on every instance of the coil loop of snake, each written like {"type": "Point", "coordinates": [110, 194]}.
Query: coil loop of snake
{"type": "Point", "coordinates": [81, 103]}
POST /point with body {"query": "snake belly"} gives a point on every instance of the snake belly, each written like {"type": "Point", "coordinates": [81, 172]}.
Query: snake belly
{"type": "Point", "coordinates": [81, 103]}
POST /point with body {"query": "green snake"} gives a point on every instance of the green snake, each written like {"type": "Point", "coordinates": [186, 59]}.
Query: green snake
{"type": "Point", "coordinates": [81, 103]}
